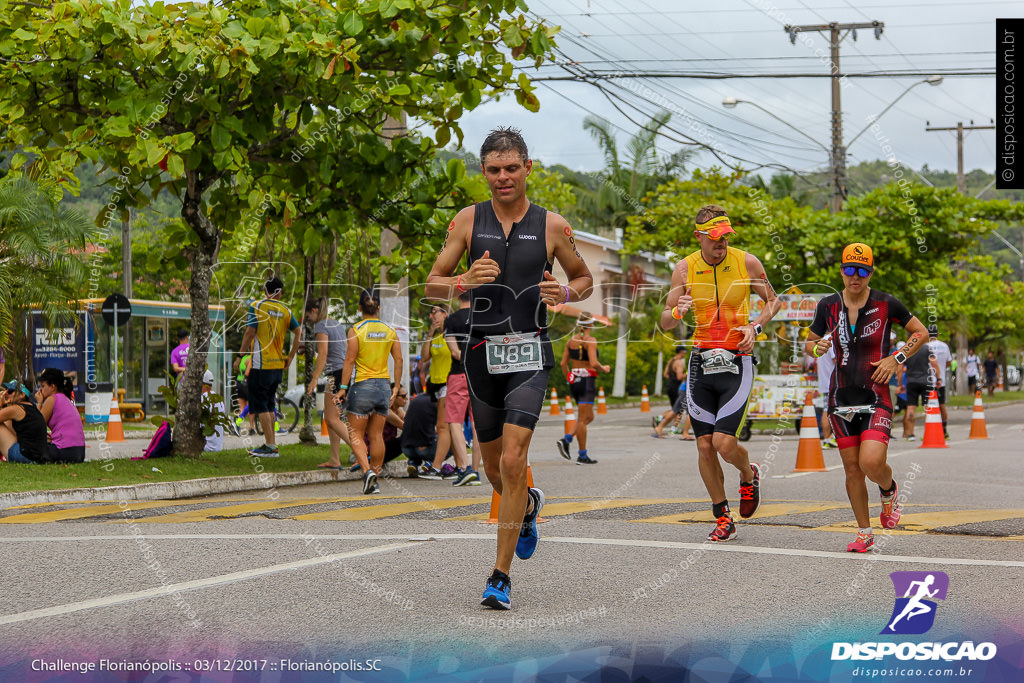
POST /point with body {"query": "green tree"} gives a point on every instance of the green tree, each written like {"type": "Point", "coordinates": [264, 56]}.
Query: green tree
{"type": "Point", "coordinates": [232, 102]}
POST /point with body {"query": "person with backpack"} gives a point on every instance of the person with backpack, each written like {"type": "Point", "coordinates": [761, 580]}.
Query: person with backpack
{"type": "Point", "coordinates": [22, 427]}
{"type": "Point", "coordinates": [57, 405]}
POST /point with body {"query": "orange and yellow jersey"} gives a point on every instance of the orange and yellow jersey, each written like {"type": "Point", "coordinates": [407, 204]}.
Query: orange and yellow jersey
{"type": "Point", "coordinates": [375, 340]}
{"type": "Point", "coordinates": [721, 299]}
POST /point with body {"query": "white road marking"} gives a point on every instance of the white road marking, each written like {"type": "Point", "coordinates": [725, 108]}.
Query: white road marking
{"type": "Point", "coordinates": [163, 591]}
{"type": "Point", "coordinates": [794, 475]}
{"type": "Point", "coordinates": [627, 542]}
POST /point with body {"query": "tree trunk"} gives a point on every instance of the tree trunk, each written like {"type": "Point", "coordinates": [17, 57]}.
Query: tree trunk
{"type": "Point", "coordinates": [307, 434]}
{"type": "Point", "coordinates": [188, 429]}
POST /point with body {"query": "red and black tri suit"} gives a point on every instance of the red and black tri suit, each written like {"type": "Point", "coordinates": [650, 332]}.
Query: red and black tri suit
{"type": "Point", "coordinates": [856, 349]}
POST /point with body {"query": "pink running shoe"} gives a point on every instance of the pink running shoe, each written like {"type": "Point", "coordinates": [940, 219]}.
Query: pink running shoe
{"type": "Point", "coordinates": [891, 512]}
{"type": "Point", "coordinates": [863, 543]}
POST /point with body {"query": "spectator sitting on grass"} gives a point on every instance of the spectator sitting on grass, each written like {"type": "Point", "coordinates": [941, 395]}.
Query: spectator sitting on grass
{"type": "Point", "coordinates": [57, 405]}
{"type": "Point", "coordinates": [22, 427]}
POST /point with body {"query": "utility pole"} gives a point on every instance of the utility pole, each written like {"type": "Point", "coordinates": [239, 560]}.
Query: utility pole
{"type": "Point", "coordinates": [836, 36]}
{"type": "Point", "coordinates": [961, 179]}
{"type": "Point", "coordinates": [961, 187]}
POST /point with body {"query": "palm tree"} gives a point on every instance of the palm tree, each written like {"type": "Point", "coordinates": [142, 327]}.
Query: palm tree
{"type": "Point", "coordinates": [40, 243]}
{"type": "Point", "coordinates": [623, 182]}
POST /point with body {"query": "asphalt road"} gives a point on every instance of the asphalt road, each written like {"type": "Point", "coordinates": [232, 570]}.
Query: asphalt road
{"type": "Point", "coordinates": [622, 574]}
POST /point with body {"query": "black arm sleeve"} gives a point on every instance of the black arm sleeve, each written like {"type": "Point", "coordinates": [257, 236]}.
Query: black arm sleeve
{"type": "Point", "coordinates": [819, 325]}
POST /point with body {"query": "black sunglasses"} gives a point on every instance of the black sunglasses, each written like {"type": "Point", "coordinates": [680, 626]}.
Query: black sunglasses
{"type": "Point", "coordinates": [850, 271]}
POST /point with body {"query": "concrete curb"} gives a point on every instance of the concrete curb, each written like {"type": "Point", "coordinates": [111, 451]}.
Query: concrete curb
{"type": "Point", "coordinates": [172, 490]}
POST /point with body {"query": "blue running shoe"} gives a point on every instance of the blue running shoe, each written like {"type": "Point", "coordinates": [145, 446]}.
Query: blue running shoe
{"type": "Point", "coordinates": [498, 593]}
{"type": "Point", "coordinates": [528, 536]}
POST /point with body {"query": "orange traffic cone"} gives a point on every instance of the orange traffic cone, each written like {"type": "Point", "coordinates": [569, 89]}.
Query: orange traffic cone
{"type": "Point", "coordinates": [933, 435]}
{"type": "Point", "coordinates": [809, 457]}
{"type": "Point", "coordinates": [645, 401]}
{"type": "Point", "coordinates": [323, 426]}
{"type": "Point", "coordinates": [978, 430]}
{"type": "Point", "coordinates": [570, 416]}
{"type": "Point", "coordinates": [602, 406]}
{"type": "Point", "coordinates": [492, 517]}
{"type": "Point", "coordinates": [115, 432]}
{"type": "Point", "coordinates": [554, 402]}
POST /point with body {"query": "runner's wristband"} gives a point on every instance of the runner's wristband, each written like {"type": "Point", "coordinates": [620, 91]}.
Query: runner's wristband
{"type": "Point", "coordinates": [343, 387]}
{"type": "Point", "coordinates": [675, 313]}
{"type": "Point", "coordinates": [815, 351]}
{"type": "Point", "coordinates": [566, 294]}
{"type": "Point", "coordinates": [458, 284]}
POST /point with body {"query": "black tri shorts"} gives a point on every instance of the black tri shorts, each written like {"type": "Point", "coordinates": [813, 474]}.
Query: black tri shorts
{"type": "Point", "coordinates": [514, 398]}
{"type": "Point", "coordinates": [718, 402]}
{"type": "Point", "coordinates": [583, 389]}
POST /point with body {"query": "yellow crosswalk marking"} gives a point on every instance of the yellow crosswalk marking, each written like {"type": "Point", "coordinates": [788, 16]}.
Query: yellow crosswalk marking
{"type": "Point", "coordinates": [585, 505]}
{"type": "Point", "coordinates": [557, 509]}
{"type": "Point", "coordinates": [391, 510]}
{"type": "Point", "coordinates": [90, 511]}
{"type": "Point", "coordinates": [925, 521]}
{"type": "Point", "coordinates": [208, 514]}
{"type": "Point", "coordinates": [766, 510]}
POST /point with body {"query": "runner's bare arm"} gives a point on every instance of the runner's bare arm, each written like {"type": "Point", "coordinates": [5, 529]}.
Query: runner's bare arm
{"type": "Point", "coordinates": [396, 355]}
{"type": "Point", "coordinates": [678, 296]}
{"type": "Point", "coordinates": [442, 282]}
{"type": "Point", "coordinates": [591, 345]}
{"type": "Point", "coordinates": [453, 347]}
{"type": "Point", "coordinates": [886, 367]}
{"type": "Point", "coordinates": [351, 351]}
{"type": "Point", "coordinates": [562, 248]}
{"type": "Point", "coordinates": [565, 359]}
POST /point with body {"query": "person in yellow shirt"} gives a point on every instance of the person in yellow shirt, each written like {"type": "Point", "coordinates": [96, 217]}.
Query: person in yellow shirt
{"type": "Point", "coordinates": [436, 351]}
{"type": "Point", "coordinates": [716, 281]}
{"type": "Point", "coordinates": [370, 343]}
{"type": "Point", "coordinates": [269, 321]}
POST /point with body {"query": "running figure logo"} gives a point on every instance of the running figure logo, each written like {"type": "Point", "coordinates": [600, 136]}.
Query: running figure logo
{"type": "Point", "coordinates": [913, 612]}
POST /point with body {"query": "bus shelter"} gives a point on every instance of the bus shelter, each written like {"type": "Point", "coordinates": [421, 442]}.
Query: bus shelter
{"type": "Point", "coordinates": [85, 351]}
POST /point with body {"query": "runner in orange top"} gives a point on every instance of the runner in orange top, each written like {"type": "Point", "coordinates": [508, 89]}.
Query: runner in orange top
{"type": "Point", "coordinates": [716, 282]}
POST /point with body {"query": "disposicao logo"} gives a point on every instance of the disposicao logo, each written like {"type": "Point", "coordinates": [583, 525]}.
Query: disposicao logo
{"type": "Point", "coordinates": [914, 614]}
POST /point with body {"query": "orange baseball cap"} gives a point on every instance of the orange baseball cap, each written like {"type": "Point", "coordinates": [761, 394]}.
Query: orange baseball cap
{"type": "Point", "coordinates": [716, 228]}
{"type": "Point", "coordinates": [858, 254]}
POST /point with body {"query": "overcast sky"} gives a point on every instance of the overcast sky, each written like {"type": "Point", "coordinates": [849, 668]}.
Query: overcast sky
{"type": "Point", "coordinates": [747, 37]}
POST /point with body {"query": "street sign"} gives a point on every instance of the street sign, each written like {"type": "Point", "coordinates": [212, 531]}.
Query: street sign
{"type": "Point", "coordinates": [116, 309]}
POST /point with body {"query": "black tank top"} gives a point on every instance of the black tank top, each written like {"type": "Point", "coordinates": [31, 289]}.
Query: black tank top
{"type": "Point", "coordinates": [31, 433]}
{"type": "Point", "coordinates": [580, 352]}
{"type": "Point", "coordinates": [512, 302]}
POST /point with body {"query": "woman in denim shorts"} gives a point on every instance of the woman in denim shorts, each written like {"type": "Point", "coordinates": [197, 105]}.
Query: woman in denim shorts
{"type": "Point", "coordinates": [370, 343]}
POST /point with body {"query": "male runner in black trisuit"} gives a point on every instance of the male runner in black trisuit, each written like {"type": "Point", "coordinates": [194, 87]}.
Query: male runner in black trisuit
{"type": "Point", "coordinates": [511, 244]}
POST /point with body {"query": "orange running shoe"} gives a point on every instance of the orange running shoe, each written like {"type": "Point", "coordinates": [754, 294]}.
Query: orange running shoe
{"type": "Point", "coordinates": [725, 531]}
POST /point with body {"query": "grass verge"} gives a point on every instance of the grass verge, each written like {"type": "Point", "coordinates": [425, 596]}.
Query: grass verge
{"type": "Point", "coordinates": [294, 458]}
{"type": "Point", "coordinates": [996, 398]}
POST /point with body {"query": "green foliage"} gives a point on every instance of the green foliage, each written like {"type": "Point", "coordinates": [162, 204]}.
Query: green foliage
{"type": "Point", "coordinates": [276, 113]}
{"type": "Point", "coordinates": [40, 240]}
{"type": "Point", "coordinates": [925, 240]}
